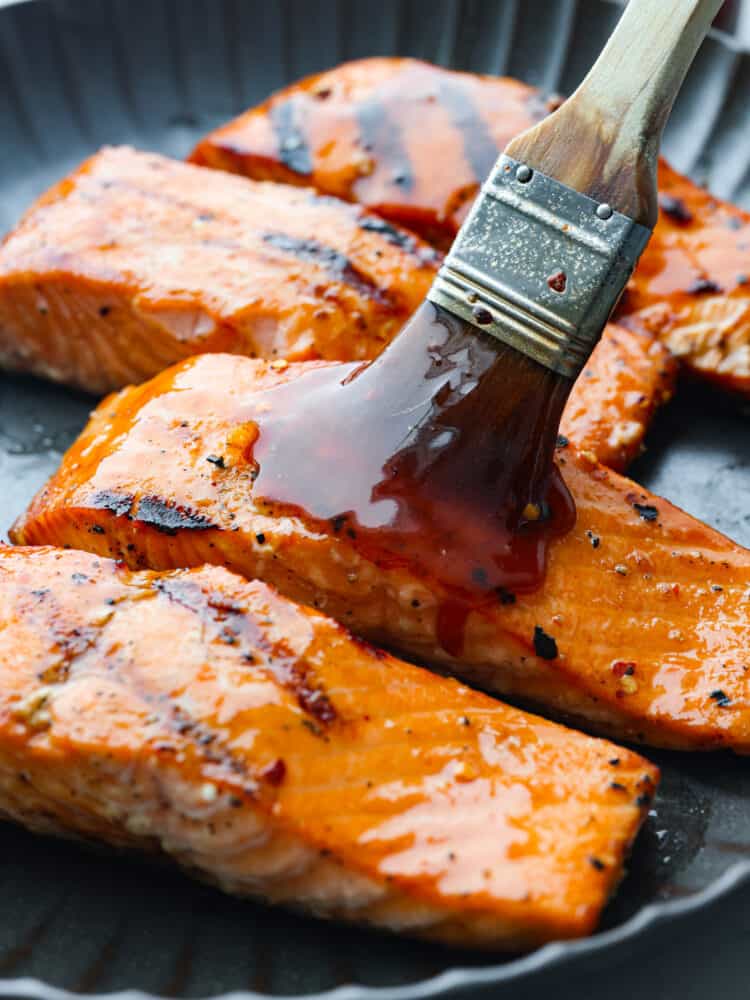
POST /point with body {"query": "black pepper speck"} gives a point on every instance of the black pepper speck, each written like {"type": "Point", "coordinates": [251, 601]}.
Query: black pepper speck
{"type": "Point", "coordinates": [544, 645]}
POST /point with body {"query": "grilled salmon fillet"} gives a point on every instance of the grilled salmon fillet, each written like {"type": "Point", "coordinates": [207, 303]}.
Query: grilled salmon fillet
{"type": "Point", "coordinates": [136, 261]}
{"type": "Point", "coordinates": [413, 142]}
{"type": "Point", "coordinates": [694, 282]}
{"type": "Point", "coordinates": [641, 628]}
{"type": "Point", "coordinates": [260, 745]}
{"type": "Point", "coordinates": [629, 375]}
{"type": "Point", "coordinates": [409, 140]}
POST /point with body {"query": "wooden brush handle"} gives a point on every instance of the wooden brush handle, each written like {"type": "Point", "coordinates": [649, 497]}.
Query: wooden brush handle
{"type": "Point", "coordinates": [604, 140]}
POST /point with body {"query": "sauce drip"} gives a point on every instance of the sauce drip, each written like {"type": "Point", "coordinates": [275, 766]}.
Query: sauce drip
{"type": "Point", "coordinates": [436, 456]}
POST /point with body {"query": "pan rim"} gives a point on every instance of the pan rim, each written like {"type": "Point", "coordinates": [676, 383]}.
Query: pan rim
{"type": "Point", "coordinates": [554, 955]}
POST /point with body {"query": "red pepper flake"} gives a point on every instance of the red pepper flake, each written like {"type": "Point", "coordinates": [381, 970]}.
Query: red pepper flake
{"type": "Point", "coordinates": [623, 668]}
{"type": "Point", "coordinates": [544, 645]}
{"type": "Point", "coordinates": [275, 773]}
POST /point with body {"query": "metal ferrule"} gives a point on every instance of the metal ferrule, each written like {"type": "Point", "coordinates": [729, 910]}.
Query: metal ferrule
{"type": "Point", "coordinates": [539, 266]}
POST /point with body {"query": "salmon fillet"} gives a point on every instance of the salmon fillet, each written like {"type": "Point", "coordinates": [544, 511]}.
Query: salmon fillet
{"type": "Point", "coordinates": [409, 140]}
{"type": "Point", "coordinates": [413, 142]}
{"type": "Point", "coordinates": [641, 628]}
{"type": "Point", "coordinates": [693, 282]}
{"type": "Point", "coordinates": [630, 374]}
{"type": "Point", "coordinates": [136, 261]}
{"type": "Point", "coordinates": [261, 746]}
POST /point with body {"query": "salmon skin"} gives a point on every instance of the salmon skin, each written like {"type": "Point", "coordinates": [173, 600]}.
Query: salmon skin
{"type": "Point", "coordinates": [136, 261]}
{"type": "Point", "coordinates": [374, 130]}
{"type": "Point", "coordinates": [260, 745]}
{"type": "Point", "coordinates": [640, 630]}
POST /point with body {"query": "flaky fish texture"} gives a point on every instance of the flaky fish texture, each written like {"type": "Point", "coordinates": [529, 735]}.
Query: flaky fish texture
{"type": "Point", "coordinates": [640, 628]}
{"type": "Point", "coordinates": [261, 746]}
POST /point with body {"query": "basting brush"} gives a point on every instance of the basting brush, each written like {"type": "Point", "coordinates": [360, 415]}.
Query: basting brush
{"type": "Point", "coordinates": [439, 454]}
{"type": "Point", "coordinates": [551, 241]}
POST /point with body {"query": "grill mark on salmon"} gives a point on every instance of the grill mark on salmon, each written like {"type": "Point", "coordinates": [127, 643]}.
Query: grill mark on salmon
{"type": "Point", "coordinates": [432, 810]}
{"type": "Point", "coordinates": [336, 264]}
{"type": "Point", "coordinates": [647, 614]}
{"type": "Point", "coordinates": [290, 135]}
{"type": "Point", "coordinates": [398, 238]}
{"type": "Point", "coordinates": [162, 515]}
{"type": "Point", "coordinates": [380, 137]}
{"type": "Point", "coordinates": [294, 673]}
{"type": "Point", "coordinates": [120, 504]}
{"type": "Point", "coordinates": [480, 148]}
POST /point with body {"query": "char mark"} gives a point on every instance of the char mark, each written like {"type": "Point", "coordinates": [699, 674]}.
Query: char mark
{"type": "Point", "coordinates": [229, 623]}
{"type": "Point", "coordinates": [294, 151]}
{"type": "Point", "coordinates": [398, 238]}
{"type": "Point", "coordinates": [380, 136]}
{"type": "Point", "coordinates": [169, 517]}
{"type": "Point", "coordinates": [336, 264]}
{"type": "Point", "coordinates": [480, 148]}
{"type": "Point", "coordinates": [119, 504]}
{"type": "Point", "coordinates": [162, 515]}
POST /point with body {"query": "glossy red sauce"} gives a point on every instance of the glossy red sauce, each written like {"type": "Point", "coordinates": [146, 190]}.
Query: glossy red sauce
{"type": "Point", "coordinates": [428, 457]}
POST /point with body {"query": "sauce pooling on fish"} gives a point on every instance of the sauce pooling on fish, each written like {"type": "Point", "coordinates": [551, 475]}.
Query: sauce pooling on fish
{"type": "Point", "coordinates": [439, 487]}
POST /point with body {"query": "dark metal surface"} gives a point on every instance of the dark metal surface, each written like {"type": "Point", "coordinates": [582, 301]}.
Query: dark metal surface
{"type": "Point", "coordinates": [157, 73]}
